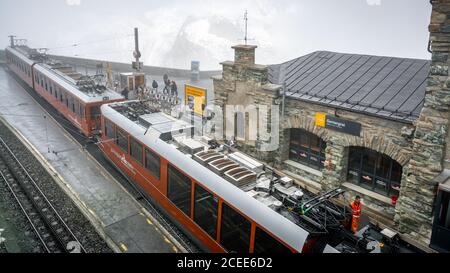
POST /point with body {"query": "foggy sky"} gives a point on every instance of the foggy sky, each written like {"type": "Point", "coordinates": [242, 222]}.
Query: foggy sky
{"type": "Point", "coordinates": [173, 32]}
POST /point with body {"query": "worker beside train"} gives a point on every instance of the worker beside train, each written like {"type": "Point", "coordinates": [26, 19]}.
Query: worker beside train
{"type": "Point", "coordinates": [355, 205]}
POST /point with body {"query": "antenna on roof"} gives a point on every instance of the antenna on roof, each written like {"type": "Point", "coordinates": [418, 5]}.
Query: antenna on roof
{"type": "Point", "coordinates": [246, 39]}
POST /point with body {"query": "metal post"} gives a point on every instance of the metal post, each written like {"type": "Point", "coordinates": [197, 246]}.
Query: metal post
{"type": "Point", "coordinates": [136, 53]}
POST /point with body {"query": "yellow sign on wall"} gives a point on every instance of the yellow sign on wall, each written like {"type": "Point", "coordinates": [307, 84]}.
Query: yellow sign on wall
{"type": "Point", "coordinates": [194, 98]}
{"type": "Point", "coordinates": [321, 119]}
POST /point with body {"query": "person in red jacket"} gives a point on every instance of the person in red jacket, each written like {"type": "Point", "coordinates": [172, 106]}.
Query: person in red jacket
{"type": "Point", "coordinates": [355, 205]}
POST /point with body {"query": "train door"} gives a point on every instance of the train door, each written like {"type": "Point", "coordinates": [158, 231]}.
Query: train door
{"type": "Point", "coordinates": [440, 237]}
{"type": "Point", "coordinates": [94, 118]}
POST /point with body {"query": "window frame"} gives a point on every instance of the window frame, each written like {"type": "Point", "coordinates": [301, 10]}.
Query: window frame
{"type": "Point", "coordinates": [155, 155]}
{"type": "Point", "coordinates": [243, 216]}
{"type": "Point", "coordinates": [138, 144]}
{"type": "Point", "coordinates": [195, 211]}
{"type": "Point", "coordinates": [282, 246]}
{"type": "Point", "coordinates": [308, 150]}
{"type": "Point", "coordinates": [117, 130]}
{"type": "Point", "coordinates": [172, 198]}
{"type": "Point", "coordinates": [361, 172]}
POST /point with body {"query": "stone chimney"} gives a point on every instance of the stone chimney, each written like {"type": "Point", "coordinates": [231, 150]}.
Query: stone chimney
{"type": "Point", "coordinates": [244, 54]}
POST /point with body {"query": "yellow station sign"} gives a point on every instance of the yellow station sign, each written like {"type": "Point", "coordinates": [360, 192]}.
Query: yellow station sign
{"type": "Point", "coordinates": [195, 97]}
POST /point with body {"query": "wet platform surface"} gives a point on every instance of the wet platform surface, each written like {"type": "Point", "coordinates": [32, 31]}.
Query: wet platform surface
{"type": "Point", "coordinates": [120, 215]}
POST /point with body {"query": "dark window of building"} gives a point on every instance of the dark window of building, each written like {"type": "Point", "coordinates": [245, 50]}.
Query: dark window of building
{"type": "Point", "coordinates": [205, 210]}
{"type": "Point", "coordinates": [374, 171]}
{"type": "Point", "coordinates": [122, 140]}
{"type": "Point", "coordinates": [234, 231]}
{"type": "Point", "coordinates": [264, 243]}
{"type": "Point", "coordinates": [152, 163]}
{"type": "Point", "coordinates": [109, 129]}
{"type": "Point", "coordinates": [179, 190]}
{"type": "Point", "coordinates": [136, 150]}
{"type": "Point", "coordinates": [307, 148]}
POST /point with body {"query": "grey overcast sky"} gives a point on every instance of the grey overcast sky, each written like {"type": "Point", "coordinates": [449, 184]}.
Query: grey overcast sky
{"type": "Point", "coordinates": [174, 32]}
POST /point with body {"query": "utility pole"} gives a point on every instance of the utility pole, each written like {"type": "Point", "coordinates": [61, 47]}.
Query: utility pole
{"type": "Point", "coordinates": [136, 53]}
{"type": "Point", "coordinates": [11, 40]}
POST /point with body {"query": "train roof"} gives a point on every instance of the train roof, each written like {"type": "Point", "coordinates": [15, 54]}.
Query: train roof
{"type": "Point", "coordinates": [22, 53]}
{"type": "Point", "coordinates": [131, 118]}
{"type": "Point", "coordinates": [66, 77]}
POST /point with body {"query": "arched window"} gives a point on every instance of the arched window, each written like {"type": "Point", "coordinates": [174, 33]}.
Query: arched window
{"type": "Point", "coordinates": [307, 148]}
{"type": "Point", "coordinates": [374, 171]}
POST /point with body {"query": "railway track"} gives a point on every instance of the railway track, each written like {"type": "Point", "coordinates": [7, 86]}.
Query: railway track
{"type": "Point", "coordinates": [48, 225]}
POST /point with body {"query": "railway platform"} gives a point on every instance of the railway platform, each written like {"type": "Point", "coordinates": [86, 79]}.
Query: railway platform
{"type": "Point", "coordinates": [118, 217]}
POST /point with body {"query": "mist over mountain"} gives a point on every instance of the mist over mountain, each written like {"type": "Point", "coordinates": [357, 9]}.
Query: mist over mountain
{"type": "Point", "coordinates": [174, 32]}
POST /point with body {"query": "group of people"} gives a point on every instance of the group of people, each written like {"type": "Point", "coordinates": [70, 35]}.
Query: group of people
{"type": "Point", "coordinates": [170, 87]}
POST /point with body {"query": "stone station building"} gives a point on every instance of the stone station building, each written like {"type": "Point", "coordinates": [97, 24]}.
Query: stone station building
{"type": "Point", "coordinates": [374, 126]}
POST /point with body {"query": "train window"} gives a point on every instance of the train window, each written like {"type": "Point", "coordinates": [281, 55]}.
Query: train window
{"type": "Point", "coordinates": [136, 150]}
{"type": "Point", "coordinates": [179, 190]}
{"type": "Point", "coordinates": [122, 140]}
{"type": "Point", "coordinates": [152, 163]}
{"type": "Point", "coordinates": [68, 98]}
{"type": "Point", "coordinates": [56, 91]}
{"type": "Point", "coordinates": [81, 110]}
{"type": "Point", "coordinates": [76, 107]}
{"type": "Point", "coordinates": [264, 243]}
{"type": "Point", "coordinates": [109, 129]}
{"type": "Point", "coordinates": [61, 96]}
{"type": "Point", "coordinates": [234, 231]}
{"type": "Point", "coordinates": [205, 210]}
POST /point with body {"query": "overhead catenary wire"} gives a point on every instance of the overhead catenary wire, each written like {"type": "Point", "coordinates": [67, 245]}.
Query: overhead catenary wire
{"type": "Point", "coordinates": [77, 44]}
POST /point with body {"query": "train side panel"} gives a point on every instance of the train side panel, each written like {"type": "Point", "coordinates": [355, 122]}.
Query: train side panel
{"type": "Point", "coordinates": [21, 68]}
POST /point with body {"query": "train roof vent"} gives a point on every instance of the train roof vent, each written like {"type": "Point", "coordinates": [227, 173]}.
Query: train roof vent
{"type": "Point", "coordinates": [240, 176]}
{"type": "Point", "coordinates": [205, 157]}
{"type": "Point", "coordinates": [246, 161]}
{"type": "Point", "coordinates": [221, 165]}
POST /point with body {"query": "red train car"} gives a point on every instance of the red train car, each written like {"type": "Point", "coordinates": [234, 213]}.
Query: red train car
{"type": "Point", "coordinates": [75, 97]}
{"type": "Point", "coordinates": [78, 98]}
{"type": "Point", "coordinates": [20, 64]}
{"type": "Point", "coordinates": [222, 215]}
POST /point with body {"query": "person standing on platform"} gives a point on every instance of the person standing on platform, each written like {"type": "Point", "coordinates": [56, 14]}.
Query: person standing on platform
{"type": "Point", "coordinates": [174, 89]}
{"type": "Point", "coordinates": [155, 86]}
{"type": "Point", "coordinates": [355, 205]}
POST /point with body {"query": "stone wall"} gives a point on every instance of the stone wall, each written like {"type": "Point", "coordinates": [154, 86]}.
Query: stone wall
{"type": "Point", "coordinates": [430, 152]}
{"type": "Point", "coordinates": [385, 136]}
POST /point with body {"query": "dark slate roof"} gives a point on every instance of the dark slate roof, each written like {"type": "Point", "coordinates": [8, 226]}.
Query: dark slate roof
{"type": "Point", "coordinates": [388, 87]}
